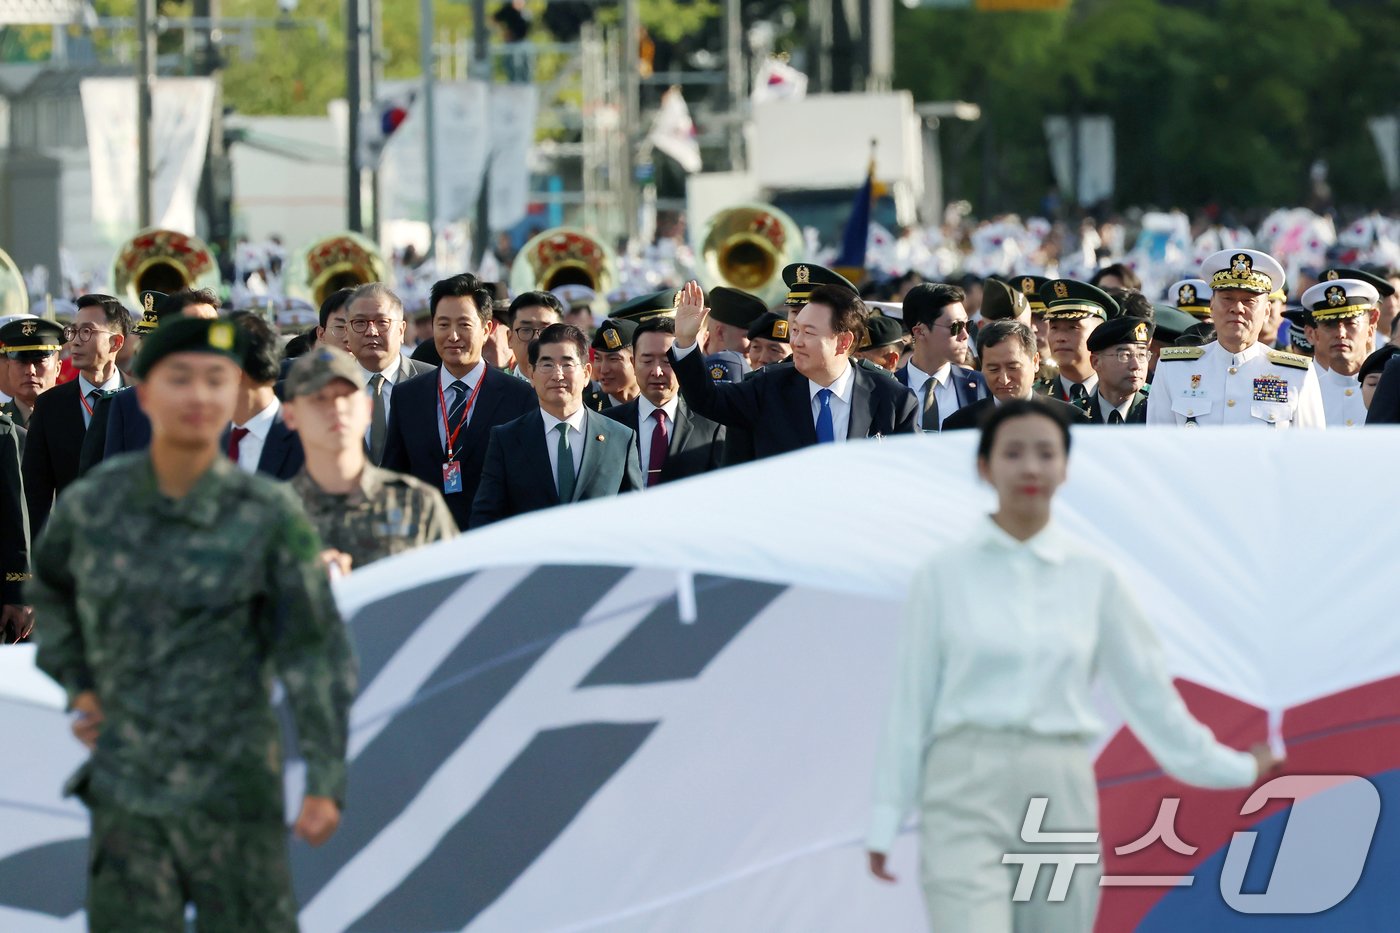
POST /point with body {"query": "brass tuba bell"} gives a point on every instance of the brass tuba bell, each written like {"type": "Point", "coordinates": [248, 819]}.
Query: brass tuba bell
{"type": "Point", "coordinates": [14, 293]}
{"type": "Point", "coordinates": [345, 260]}
{"type": "Point", "coordinates": [746, 247]}
{"type": "Point", "coordinates": [563, 256]}
{"type": "Point", "coordinates": [162, 261]}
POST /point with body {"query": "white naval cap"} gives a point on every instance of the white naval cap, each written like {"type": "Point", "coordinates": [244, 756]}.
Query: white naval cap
{"type": "Point", "coordinates": [1247, 269]}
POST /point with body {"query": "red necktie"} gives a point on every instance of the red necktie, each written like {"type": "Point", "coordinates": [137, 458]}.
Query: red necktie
{"type": "Point", "coordinates": [660, 445]}
{"type": "Point", "coordinates": [235, 437]}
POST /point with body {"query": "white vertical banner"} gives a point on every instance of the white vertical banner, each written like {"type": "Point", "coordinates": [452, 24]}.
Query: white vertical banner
{"type": "Point", "coordinates": [513, 111]}
{"type": "Point", "coordinates": [181, 109]}
{"type": "Point", "coordinates": [463, 143]}
{"type": "Point", "coordinates": [1386, 133]}
{"type": "Point", "coordinates": [1096, 157]}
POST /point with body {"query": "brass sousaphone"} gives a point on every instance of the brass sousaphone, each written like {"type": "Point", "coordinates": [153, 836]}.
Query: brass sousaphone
{"type": "Point", "coordinates": [746, 247]}
{"type": "Point", "coordinates": [345, 260]}
{"type": "Point", "coordinates": [563, 256]}
{"type": "Point", "coordinates": [162, 261]}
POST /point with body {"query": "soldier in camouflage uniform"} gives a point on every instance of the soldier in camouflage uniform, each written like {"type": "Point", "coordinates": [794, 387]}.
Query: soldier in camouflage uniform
{"type": "Point", "coordinates": [362, 512]}
{"type": "Point", "coordinates": [169, 587]}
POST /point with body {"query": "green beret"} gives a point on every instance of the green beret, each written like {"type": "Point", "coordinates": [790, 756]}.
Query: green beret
{"type": "Point", "coordinates": [614, 335]}
{"type": "Point", "coordinates": [882, 332]}
{"type": "Point", "coordinates": [735, 308]}
{"type": "Point", "coordinates": [770, 326]}
{"type": "Point", "coordinates": [190, 335]}
{"type": "Point", "coordinates": [1120, 330]}
{"type": "Point", "coordinates": [645, 307]}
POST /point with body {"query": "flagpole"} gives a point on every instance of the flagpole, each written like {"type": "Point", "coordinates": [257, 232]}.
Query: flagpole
{"type": "Point", "coordinates": [425, 42]}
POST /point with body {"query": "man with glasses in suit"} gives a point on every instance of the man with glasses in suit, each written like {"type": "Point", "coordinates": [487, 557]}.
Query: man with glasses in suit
{"type": "Point", "coordinates": [374, 315]}
{"type": "Point", "coordinates": [530, 313]}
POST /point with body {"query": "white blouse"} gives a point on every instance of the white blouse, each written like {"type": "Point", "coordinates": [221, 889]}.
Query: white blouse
{"type": "Point", "coordinates": [1004, 634]}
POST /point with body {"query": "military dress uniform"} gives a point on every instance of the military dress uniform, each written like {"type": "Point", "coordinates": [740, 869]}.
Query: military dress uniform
{"type": "Point", "coordinates": [14, 523]}
{"type": "Point", "coordinates": [1337, 299]}
{"type": "Point", "coordinates": [177, 613]}
{"type": "Point", "coordinates": [386, 514]}
{"type": "Point", "coordinates": [1210, 385]}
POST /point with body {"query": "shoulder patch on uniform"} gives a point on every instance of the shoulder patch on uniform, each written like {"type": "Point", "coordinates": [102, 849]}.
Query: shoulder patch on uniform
{"type": "Point", "coordinates": [1294, 360]}
{"type": "Point", "coordinates": [1181, 353]}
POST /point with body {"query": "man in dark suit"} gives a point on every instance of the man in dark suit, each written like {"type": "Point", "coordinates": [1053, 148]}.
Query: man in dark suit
{"type": "Point", "coordinates": [446, 416]}
{"type": "Point", "coordinates": [259, 440]}
{"type": "Point", "coordinates": [374, 315]}
{"type": "Point", "coordinates": [15, 617]}
{"type": "Point", "coordinates": [562, 452]}
{"type": "Point", "coordinates": [673, 442]}
{"type": "Point", "coordinates": [61, 415]}
{"type": "Point", "coordinates": [937, 323]}
{"type": "Point", "coordinates": [1120, 350]}
{"type": "Point", "coordinates": [1010, 360]}
{"type": "Point", "coordinates": [822, 398]}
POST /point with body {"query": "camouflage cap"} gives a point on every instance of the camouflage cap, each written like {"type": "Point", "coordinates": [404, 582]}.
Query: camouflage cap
{"type": "Point", "coordinates": [190, 335]}
{"type": "Point", "coordinates": [318, 368]}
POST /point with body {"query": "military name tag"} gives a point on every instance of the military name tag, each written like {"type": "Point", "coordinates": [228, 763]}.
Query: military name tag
{"type": "Point", "coordinates": [452, 476]}
{"type": "Point", "coordinates": [1270, 389]}
{"type": "Point", "coordinates": [1194, 393]}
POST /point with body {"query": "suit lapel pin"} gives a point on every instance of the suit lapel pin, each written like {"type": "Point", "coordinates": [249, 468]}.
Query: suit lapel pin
{"type": "Point", "coordinates": [600, 437]}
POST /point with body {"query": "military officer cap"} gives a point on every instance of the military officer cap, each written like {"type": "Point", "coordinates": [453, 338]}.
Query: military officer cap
{"type": "Point", "coordinates": [31, 338]}
{"type": "Point", "coordinates": [881, 331]}
{"type": "Point", "coordinates": [1378, 282]}
{"type": "Point", "coordinates": [1246, 269]}
{"type": "Point", "coordinates": [645, 307]}
{"type": "Point", "coordinates": [313, 371]}
{"type": "Point", "coordinates": [1030, 286]}
{"type": "Point", "coordinates": [1001, 302]}
{"type": "Point", "coordinates": [1191, 296]}
{"type": "Point", "coordinates": [1070, 300]}
{"type": "Point", "coordinates": [190, 335]}
{"type": "Point", "coordinates": [1171, 322]}
{"type": "Point", "coordinates": [614, 335]}
{"type": "Point", "coordinates": [1375, 363]}
{"type": "Point", "coordinates": [770, 326]}
{"type": "Point", "coordinates": [1121, 330]}
{"type": "Point", "coordinates": [151, 311]}
{"type": "Point", "coordinates": [802, 277]}
{"type": "Point", "coordinates": [574, 297]}
{"type": "Point", "coordinates": [735, 308]}
{"type": "Point", "coordinates": [1334, 299]}
{"type": "Point", "coordinates": [725, 366]}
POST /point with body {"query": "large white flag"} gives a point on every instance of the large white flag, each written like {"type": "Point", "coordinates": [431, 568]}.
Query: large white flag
{"type": "Point", "coordinates": [513, 111]}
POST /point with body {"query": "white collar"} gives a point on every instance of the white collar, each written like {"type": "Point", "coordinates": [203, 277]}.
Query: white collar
{"type": "Point", "coordinates": [841, 388]}
{"type": "Point", "coordinates": [390, 374]}
{"type": "Point", "coordinates": [473, 376]}
{"type": "Point", "coordinates": [1254, 350]}
{"type": "Point", "coordinates": [261, 423]}
{"type": "Point", "coordinates": [111, 385]}
{"type": "Point", "coordinates": [574, 421]}
{"type": "Point", "coordinates": [917, 377]}
{"type": "Point", "coordinates": [1121, 409]}
{"type": "Point", "coordinates": [1047, 544]}
{"type": "Point", "coordinates": [645, 408]}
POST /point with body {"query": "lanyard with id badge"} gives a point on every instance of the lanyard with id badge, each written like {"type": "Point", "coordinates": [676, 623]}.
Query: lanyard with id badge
{"type": "Point", "coordinates": [451, 468]}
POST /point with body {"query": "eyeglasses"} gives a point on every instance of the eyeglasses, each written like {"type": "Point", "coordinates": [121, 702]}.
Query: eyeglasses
{"type": "Point", "coordinates": [337, 329]}
{"type": "Point", "coordinates": [528, 332]}
{"type": "Point", "coordinates": [564, 366]}
{"type": "Point", "coordinates": [955, 328]}
{"type": "Point", "coordinates": [83, 333]}
{"type": "Point", "coordinates": [381, 325]}
{"type": "Point", "coordinates": [1124, 355]}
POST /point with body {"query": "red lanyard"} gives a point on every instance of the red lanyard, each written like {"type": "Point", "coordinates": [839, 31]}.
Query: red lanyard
{"type": "Point", "coordinates": [448, 431]}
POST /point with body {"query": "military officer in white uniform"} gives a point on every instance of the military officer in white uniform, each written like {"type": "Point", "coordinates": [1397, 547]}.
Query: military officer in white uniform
{"type": "Point", "coordinates": [1235, 379]}
{"type": "Point", "coordinates": [1191, 296]}
{"type": "Point", "coordinates": [1344, 314]}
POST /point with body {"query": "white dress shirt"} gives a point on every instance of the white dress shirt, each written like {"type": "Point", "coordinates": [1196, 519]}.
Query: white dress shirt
{"type": "Point", "coordinates": [646, 426]}
{"type": "Point", "coordinates": [445, 379]}
{"type": "Point", "coordinates": [85, 389]}
{"type": "Point", "coordinates": [840, 403]}
{"type": "Point", "coordinates": [1105, 406]}
{"type": "Point", "coordinates": [1341, 399]}
{"type": "Point", "coordinates": [1250, 387]}
{"type": "Point", "coordinates": [944, 391]}
{"type": "Point", "coordinates": [251, 447]}
{"type": "Point", "coordinates": [551, 441]}
{"type": "Point", "coordinates": [387, 391]}
{"type": "Point", "coordinates": [1000, 634]}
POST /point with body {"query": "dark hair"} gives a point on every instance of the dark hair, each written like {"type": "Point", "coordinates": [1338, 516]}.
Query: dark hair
{"type": "Point", "coordinates": [299, 345]}
{"type": "Point", "coordinates": [113, 310]}
{"type": "Point", "coordinates": [559, 333]}
{"type": "Point", "coordinates": [534, 300]}
{"type": "Point", "coordinates": [656, 325]}
{"type": "Point", "coordinates": [994, 332]}
{"type": "Point", "coordinates": [334, 302]}
{"type": "Point", "coordinates": [510, 19]}
{"type": "Point", "coordinates": [1019, 408]}
{"type": "Point", "coordinates": [929, 303]}
{"type": "Point", "coordinates": [463, 285]}
{"type": "Point", "coordinates": [179, 301]}
{"type": "Point", "coordinates": [1133, 303]}
{"type": "Point", "coordinates": [847, 311]}
{"type": "Point", "coordinates": [1122, 273]}
{"type": "Point", "coordinates": [262, 357]}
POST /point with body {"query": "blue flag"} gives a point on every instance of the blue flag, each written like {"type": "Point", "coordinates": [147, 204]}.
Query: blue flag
{"type": "Point", "coordinates": [857, 231]}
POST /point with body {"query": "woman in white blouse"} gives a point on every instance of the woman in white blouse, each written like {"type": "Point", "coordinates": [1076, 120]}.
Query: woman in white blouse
{"type": "Point", "coordinates": [1002, 637]}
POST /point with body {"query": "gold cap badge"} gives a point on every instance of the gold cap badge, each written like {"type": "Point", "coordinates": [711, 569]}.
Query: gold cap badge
{"type": "Point", "coordinates": [221, 336]}
{"type": "Point", "coordinates": [804, 275]}
{"type": "Point", "coordinates": [1186, 295]}
{"type": "Point", "coordinates": [1333, 274]}
{"type": "Point", "coordinates": [1061, 290]}
{"type": "Point", "coordinates": [780, 330]}
{"type": "Point", "coordinates": [1140, 333]}
{"type": "Point", "coordinates": [611, 339]}
{"type": "Point", "coordinates": [1336, 296]}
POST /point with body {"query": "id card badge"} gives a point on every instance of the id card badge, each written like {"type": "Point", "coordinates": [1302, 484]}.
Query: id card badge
{"type": "Point", "coordinates": [452, 476]}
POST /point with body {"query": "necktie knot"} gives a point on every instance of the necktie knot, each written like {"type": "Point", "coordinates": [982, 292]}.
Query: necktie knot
{"type": "Point", "coordinates": [235, 438]}
{"type": "Point", "coordinates": [1115, 417]}
{"type": "Point", "coordinates": [660, 416]}
{"type": "Point", "coordinates": [825, 396]}
{"type": "Point", "coordinates": [376, 384]}
{"type": "Point", "coordinates": [1076, 391]}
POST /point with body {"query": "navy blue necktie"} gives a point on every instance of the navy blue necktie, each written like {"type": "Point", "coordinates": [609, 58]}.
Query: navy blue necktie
{"type": "Point", "coordinates": [826, 432]}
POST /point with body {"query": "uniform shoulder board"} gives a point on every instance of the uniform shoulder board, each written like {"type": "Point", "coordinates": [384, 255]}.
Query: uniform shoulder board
{"type": "Point", "coordinates": [1295, 360]}
{"type": "Point", "coordinates": [1181, 353]}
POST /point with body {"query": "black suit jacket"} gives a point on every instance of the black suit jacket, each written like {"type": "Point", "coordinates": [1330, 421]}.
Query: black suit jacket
{"type": "Point", "coordinates": [282, 455]}
{"type": "Point", "coordinates": [968, 385]}
{"type": "Point", "coordinates": [14, 521]}
{"type": "Point", "coordinates": [972, 415]}
{"type": "Point", "coordinates": [52, 449]}
{"type": "Point", "coordinates": [1385, 404]}
{"type": "Point", "coordinates": [1137, 411]}
{"type": "Point", "coordinates": [776, 404]}
{"type": "Point", "coordinates": [415, 417]}
{"type": "Point", "coordinates": [516, 477]}
{"type": "Point", "coordinates": [697, 443]}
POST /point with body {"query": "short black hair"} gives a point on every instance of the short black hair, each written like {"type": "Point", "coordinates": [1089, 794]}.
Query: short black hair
{"type": "Point", "coordinates": [299, 345]}
{"type": "Point", "coordinates": [560, 333]}
{"type": "Point", "coordinates": [1019, 408]}
{"type": "Point", "coordinates": [179, 301]}
{"type": "Point", "coordinates": [1122, 273]}
{"type": "Point", "coordinates": [929, 303]}
{"type": "Point", "coordinates": [1133, 303]}
{"type": "Point", "coordinates": [113, 310]}
{"type": "Point", "coordinates": [262, 359]}
{"type": "Point", "coordinates": [534, 300]}
{"type": "Point", "coordinates": [992, 333]}
{"type": "Point", "coordinates": [656, 325]}
{"type": "Point", "coordinates": [463, 285]}
{"type": "Point", "coordinates": [334, 302]}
